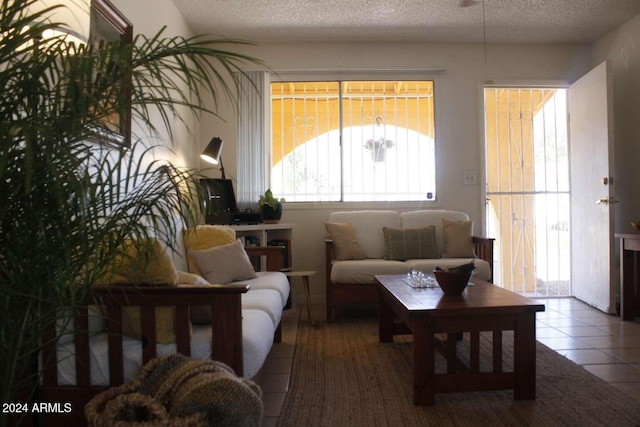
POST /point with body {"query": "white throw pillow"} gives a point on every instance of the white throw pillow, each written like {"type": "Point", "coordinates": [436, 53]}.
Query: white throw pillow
{"type": "Point", "coordinates": [224, 264]}
{"type": "Point", "coordinates": [185, 278]}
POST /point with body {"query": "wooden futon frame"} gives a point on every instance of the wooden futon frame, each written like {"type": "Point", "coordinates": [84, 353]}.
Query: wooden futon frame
{"type": "Point", "coordinates": [224, 301]}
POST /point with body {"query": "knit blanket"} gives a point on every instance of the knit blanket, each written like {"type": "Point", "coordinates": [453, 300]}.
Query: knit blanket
{"type": "Point", "coordinates": [179, 391]}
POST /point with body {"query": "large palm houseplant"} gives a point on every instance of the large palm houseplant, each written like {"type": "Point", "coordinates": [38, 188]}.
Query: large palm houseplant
{"type": "Point", "coordinates": [68, 201]}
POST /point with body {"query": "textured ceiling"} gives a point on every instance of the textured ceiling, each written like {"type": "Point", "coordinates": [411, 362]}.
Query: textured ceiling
{"type": "Point", "coordinates": [507, 21]}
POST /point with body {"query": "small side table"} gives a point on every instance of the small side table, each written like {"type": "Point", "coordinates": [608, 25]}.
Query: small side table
{"type": "Point", "coordinates": [305, 281]}
{"type": "Point", "coordinates": [629, 274]}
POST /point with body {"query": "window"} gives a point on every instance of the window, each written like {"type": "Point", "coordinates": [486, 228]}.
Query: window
{"type": "Point", "coordinates": [353, 141]}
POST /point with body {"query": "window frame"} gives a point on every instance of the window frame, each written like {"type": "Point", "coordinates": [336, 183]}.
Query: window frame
{"type": "Point", "coordinates": [373, 75]}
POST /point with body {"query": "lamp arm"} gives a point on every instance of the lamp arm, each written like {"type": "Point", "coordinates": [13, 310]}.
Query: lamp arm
{"type": "Point", "coordinates": [222, 169]}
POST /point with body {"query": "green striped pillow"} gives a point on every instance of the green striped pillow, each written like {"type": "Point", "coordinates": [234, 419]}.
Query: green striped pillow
{"type": "Point", "coordinates": [410, 243]}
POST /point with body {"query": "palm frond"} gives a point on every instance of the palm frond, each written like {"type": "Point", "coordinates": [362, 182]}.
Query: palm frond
{"type": "Point", "coordinates": [67, 203]}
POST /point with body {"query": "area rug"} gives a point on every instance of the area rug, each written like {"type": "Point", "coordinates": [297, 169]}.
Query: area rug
{"type": "Point", "coordinates": [342, 376]}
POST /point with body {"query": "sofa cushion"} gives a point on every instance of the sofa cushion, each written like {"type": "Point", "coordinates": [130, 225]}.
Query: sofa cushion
{"type": "Point", "coordinates": [427, 217]}
{"type": "Point", "coordinates": [224, 264]}
{"type": "Point", "coordinates": [267, 300]}
{"type": "Point", "coordinates": [205, 237]}
{"type": "Point", "coordinates": [363, 271]}
{"type": "Point", "coordinates": [65, 324]}
{"type": "Point", "coordinates": [257, 339]}
{"type": "Point", "coordinates": [367, 228]}
{"type": "Point", "coordinates": [482, 270]}
{"type": "Point", "coordinates": [165, 323]}
{"type": "Point", "coordinates": [185, 278]}
{"type": "Point", "coordinates": [269, 292]}
{"type": "Point", "coordinates": [458, 241]}
{"type": "Point", "coordinates": [402, 244]}
{"type": "Point", "coordinates": [271, 280]}
{"type": "Point", "coordinates": [344, 242]}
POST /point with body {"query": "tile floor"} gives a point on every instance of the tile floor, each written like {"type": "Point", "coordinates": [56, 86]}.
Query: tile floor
{"type": "Point", "coordinates": [603, 344]}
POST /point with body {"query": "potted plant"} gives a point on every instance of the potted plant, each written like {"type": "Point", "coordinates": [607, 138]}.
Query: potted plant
{"type": "Point", "coordinates": [271, 207]}
{"type": "Point", "coordinates": [378, 148]}
{"type": "Point", "coordinates": [69, 200]}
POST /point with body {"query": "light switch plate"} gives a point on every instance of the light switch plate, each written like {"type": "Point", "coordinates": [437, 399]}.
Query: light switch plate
{"type": "Point", "coordinates": [469, 177]}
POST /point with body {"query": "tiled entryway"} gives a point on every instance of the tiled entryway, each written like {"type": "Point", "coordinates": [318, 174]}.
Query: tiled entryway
{"type": "Point", "coordinates": [603, 344]}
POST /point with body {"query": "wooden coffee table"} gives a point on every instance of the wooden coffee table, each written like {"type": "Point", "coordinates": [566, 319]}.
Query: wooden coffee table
{"type": "Point", "coordinates": [482, 306]}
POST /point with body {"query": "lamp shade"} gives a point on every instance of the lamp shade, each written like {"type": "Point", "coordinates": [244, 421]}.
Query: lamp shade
{"type": "Point", "coordinates": [74, 17]}
{"type": "Point", "coordinates": [213, 151]}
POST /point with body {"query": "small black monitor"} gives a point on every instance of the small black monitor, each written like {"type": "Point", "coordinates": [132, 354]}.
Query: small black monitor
{"type": "Point", "coordinates": [218, 195]}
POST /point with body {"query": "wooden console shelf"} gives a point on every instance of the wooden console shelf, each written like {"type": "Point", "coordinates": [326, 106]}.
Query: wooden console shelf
{"type": "Point", "coordinates": [629, 274]}
{"type": "Point", "coordinates": [270, 235]}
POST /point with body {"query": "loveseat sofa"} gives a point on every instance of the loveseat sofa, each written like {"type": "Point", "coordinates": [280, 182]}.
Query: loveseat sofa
{"type": "Point", "coordinates": [171, 308]}
{"type": "Point", "coordinates": [363, 244]}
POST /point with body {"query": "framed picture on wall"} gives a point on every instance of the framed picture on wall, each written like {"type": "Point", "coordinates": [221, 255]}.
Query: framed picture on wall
{"type": "Point", "coordinates": [109, 24]}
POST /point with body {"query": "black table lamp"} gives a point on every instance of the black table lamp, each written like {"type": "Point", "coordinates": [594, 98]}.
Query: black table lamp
{"type": "Point", "coordinates": [213, 153]}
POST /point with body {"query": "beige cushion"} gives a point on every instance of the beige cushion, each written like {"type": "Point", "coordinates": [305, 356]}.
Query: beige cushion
{"type": "Point", "coordinates": [224, 264]}
{"type": "Point", "coordinates": [363, 271]}
{"type": "Point", "coordinates": [185, 278]}
{"type": "Point", "coordinates": [205, 237]}
{"type": "Point", "coordinates": [458, 242]}
{"type": "Point", "coordinates": [367, 228]}
{"type": "Point", "coordinates": [344, 242]}
{"type": "Point", "coordinates": [409, 243]}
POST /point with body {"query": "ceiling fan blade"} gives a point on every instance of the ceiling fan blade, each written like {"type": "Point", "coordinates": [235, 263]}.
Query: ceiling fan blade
{"type": "Point", "coordinates": [467, 3]}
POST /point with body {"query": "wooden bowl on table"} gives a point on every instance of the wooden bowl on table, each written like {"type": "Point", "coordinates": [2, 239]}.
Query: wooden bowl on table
{"type": "Point", "coordinates": [636, 225]}
{"type": "Point", "coordinates": [452, 283]}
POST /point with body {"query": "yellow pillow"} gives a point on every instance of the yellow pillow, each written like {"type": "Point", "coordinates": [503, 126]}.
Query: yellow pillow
{"type": "Point", "coordinates": [143, 262]}
{"type": "Point", "coordinates": [205, 237]}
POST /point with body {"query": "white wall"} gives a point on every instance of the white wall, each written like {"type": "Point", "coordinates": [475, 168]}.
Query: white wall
{"type": "Point", "coordinates": [622, 47]}
{"type": "Point", "coordinates": [148, 17]}
{"type": "Point", "coordinates": [458, 117]}
{"type": "Point", "coordinates": [182, 144]}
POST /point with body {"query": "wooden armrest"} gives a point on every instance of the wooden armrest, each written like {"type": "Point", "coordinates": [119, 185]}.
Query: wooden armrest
{"type": "Point", "coordinates": [483, 247]}
{"type": "Point", "coordinates": [140, 294]}
{"type": "Point", "coordinates": [328, 250]}
{"type": "Point", "coordinates": [274, 255]}
{"type": "Point", "coordinates": [483, 240]}
{"type": "Point", "coordinates": [328, 262]}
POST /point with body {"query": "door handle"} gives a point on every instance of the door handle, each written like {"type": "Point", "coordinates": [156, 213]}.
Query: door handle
{"type": "Point", "coordinates": [605, 201]}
